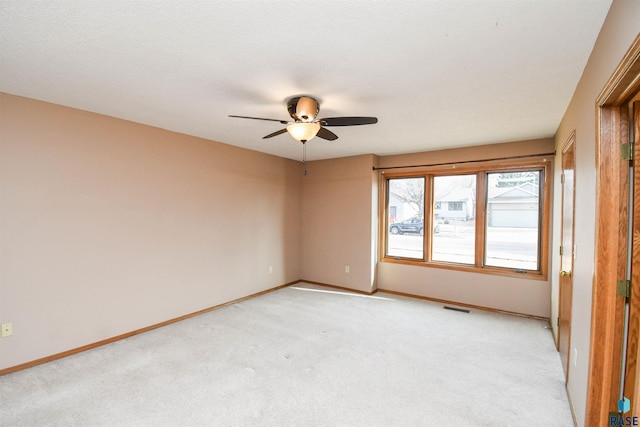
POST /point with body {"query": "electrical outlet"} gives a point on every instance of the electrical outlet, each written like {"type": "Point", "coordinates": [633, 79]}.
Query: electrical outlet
{"type": "Point", "coordinates": [7, 330]}
{"type": "Point", "coordinates": [347, 269]}
{"type": "Point", "coordinates": [270, 269]}
{"type": "Point", "coordinates": [575, 357]}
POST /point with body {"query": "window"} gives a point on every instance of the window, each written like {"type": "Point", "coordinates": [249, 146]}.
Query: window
{"type": "Point", "coordinates": [405, 204]}
{"type": "Point", "coordinates": [492, 219]}
{"type": "Point", "coordinates": [513, 220]}
{"type": "Point", "coordinates": [455, 240]}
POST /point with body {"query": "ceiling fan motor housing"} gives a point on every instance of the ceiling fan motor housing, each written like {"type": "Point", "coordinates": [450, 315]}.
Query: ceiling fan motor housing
{"type": "Point", "coordinates": [303, 108]}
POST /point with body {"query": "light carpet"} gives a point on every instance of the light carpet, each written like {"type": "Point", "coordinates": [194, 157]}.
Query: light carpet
{"type": "Point", "coordinates": [306, 356]}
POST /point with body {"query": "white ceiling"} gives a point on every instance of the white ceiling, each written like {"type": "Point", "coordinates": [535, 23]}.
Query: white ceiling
{"type": "Point", "coordinates": [437, 74]}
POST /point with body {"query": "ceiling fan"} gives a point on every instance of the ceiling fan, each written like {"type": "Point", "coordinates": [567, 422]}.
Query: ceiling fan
{"type": "Point", "coordinates": [305, 125]}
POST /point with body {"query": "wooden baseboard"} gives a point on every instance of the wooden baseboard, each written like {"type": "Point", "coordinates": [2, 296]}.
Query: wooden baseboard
{"type": "Point", "coordinates": [206, 310]}
{"type": "Point", "coordinates": [342, 288]}
{"type": "Point", "coordinates": [461, 304]}
{"type": "Point", "coordinates": [573, 409]}
{"type": "Point", "coordinates": [132, 333]}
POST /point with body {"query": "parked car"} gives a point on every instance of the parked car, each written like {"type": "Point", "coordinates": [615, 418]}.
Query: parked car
{"type": "Point", "coordinates": [413, 225]}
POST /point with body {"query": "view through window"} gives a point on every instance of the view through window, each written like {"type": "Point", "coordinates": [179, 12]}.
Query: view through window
{"type": "Point", "coordinates": [454, 210]}
{"type": "Point", "coordinates": [405, 237]}
{"type": "Point", "coordinates": [513, 217]}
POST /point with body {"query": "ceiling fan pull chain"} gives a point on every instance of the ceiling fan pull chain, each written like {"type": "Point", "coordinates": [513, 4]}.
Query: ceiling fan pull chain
{"type": "Point", "coordinates": [304, 157]}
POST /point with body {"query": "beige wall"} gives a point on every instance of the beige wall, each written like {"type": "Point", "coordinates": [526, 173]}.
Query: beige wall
{"type": "Point", "coordinates": [489, 151]}
{"type": "Point", "coordinates": [108, 226]}
{"type": "Point", "coordinates": [524, 296]}
{"type": "Point", "coordinates": [339, 212]}
{"type": "Point", "coordinates": [619, 30]}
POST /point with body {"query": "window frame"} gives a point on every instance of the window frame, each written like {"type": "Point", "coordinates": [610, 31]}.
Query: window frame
{"type": "Point", "coordinates": [425, 222]}
{"type": "Point", "coordinates": [480, 170]}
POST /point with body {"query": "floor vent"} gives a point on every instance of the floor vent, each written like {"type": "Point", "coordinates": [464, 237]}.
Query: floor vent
{"type": "Point", "coordinates": [463, 310]}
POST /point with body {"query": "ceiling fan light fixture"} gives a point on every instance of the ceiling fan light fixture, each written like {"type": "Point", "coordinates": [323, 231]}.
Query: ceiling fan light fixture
{"type": "Point", "coordinates": [303, 131]}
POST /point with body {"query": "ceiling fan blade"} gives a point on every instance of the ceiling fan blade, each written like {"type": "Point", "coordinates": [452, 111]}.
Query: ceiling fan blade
{"type": "Point", "coordinates": [348, 121]}
{"type": "Point", "coordinates": [276, 133]}
{"type": "Point", "coordinates": [284, 122]}
{"type": "Point", "coordinates": [326, 134]}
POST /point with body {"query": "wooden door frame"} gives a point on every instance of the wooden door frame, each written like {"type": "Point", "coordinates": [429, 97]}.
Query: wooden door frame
{"type": "Point", "coordinates": [570, 144]}
{"type": "Point", "coordinates": [611, 237]}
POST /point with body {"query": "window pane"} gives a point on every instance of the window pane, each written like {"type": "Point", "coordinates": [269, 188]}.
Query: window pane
{"type": "Point", "coordinates": [513, 218]}
{"type": "Point", "coordinates": [405, 234]}
{"type": "Point", "coordinates": [454, 222]}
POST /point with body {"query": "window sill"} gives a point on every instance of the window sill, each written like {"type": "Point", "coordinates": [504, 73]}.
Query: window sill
{"type": "Point", "coordinates": [496, 271]}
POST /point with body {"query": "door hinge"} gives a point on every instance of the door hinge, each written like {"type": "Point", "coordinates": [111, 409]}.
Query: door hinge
{"type": "Point", "coordinates": [627, 150]}
{"type": "Point", "coordinates": [558, 321]}
{"type": "Point", "coordinates": [562, 179]}
{"type": "Point", "coordinates": [624, 288]}
{"type": "Point", "coordinates": [561, 251]}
